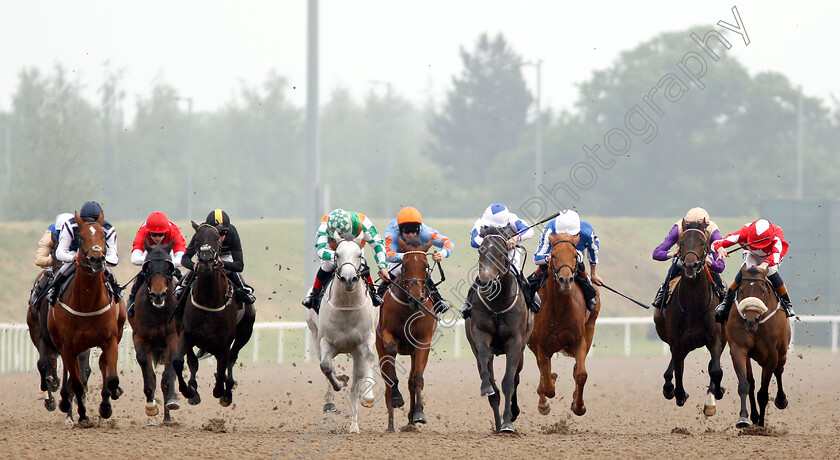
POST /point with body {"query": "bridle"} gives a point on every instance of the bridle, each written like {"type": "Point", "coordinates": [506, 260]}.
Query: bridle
{"type": "Point", "coordinates": [763, 284]}
{"type": "Point", "coordinates": [556, 271]}
{"type": "Point", "coordinates": [86, 252]}
{"type": "Point", "coordinates": [706, 249]}
{"type": "Point", "coordinates": [405, 284]}
{"type": "Point", "coordinates": [208, 253]}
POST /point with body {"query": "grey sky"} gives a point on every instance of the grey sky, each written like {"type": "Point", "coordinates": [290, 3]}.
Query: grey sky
{"type": "Point", "coordinates": [204, 48]}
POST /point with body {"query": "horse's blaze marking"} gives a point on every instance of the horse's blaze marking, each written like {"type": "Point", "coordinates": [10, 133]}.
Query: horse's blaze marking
{"type": "Point", "coordinates": [92, 230]}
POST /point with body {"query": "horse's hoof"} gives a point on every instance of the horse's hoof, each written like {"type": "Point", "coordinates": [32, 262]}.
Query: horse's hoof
{"type": "Point", "coordinates": [397, 400]}
{"type": "Point", "coordinates": [151, 409]}
{"type": "Point", "coordinates": [53, 383]}
{"type": "Point", "coordinates": [69, 421]}
{"type": "Point", "coordinates": [195, 399]}
{"type": "Point", "coordinates": [668, 391]}
{"type": "Point", "coordinates": [544, 410]}
{"type": "Point", "coordinates": [681, 400]}
{"type": "Point", "coordinates": [354, 428]}
{"type": "Point", "coordinates": [151, 421]}
{"type": "Point", "coordinates": [578, 412]}
{"type": "Point", "coordinates": [390, 429]}
{"type": "Point", "coordinates": [506, 427]}
{"type": "Point", "coordinates": [105, 411]}
{"type": "Point", "coordinates": [189, 392]}
{"type": "Point", "coordinates": [781, 403]}
{"type": "Point", "coordinates": [719, 394]}
{"type": "Point", "coordinates": [742, 422]}
{"type": "Point", "coordinates": [172, 404]}
{"type": "Point", "coordinates": [344, 379]}
{"type": "Point", "coordinates": [64, 406]}
{"type": "Point", "coordinates": [225, 401]}
{"type": "Point", "coordinates": [709, 411]}
{"type": "Point", "coordinates": [218, 392]}
{"type": "Point", "coordinates": [418, 417]}
{"type": "Point", "coordinates": [487, 390]}
{"type": "Point", "coordinates": [117, 393]}
{"type": "Point", "coordinates": [49, 403]}
{"type": "Point", "coordinates": [553, 376]}
{"type": "Point", "coordinates": [366, 402]}
{"type": "Point", "coordinates": [329, 407]}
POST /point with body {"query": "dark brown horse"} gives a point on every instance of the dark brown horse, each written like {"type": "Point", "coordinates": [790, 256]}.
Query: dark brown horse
{"type": "Point", "coordinates": [500, 323]}
{"type": "Point", "coordinates": [757, 330]}
{"type": "Point", "coordinates": [407, 326]}
{"type": "Point", "coordinates": [85, 316]}
{"type": "Point", "coordinates": [563, 323]}
{"type": "Point", "coordinates": [36, 320]}
{"type": "Point", "coordinates": [212, 319]}
{"type": "Point", "coordinates": [688, 320]}
{"type": "Point", "coordinates": [154, 329]}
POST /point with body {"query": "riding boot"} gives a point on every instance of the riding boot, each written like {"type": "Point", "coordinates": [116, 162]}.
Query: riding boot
{"type": "Point", "coordinates": [661, 296]}
{"type": "Point", "coordinates": [719, 286]}
{"type": "Point", "coordinates": [116, 289]}
{"type": "Point", "coordinates": [310, 300]}
{"type": "Point", "coordinates": [241, 292]}
{"type": "Point", "coordinates": [383, 286]}
{"type": "Point", "coordinates": [722, 310]}
{"type": "Point", "coordinates": [531, 297]}
{"type": "Point", "coordinates": [141, 277]}
{"type": "Point", "coordinates": [40, 287]}
{"type": "Point", "coordinates": [185, 283]}
{"type": "Point", "coordinates": [786, 304]}
{"type": "Point", "coordinates": [377, 300]}
{"type": "Point", "coordinates": [441, 305]}
{"type": "Point", "coordinates": [465, 310]}
{"type": "Point", "coordinates": [57, 281]}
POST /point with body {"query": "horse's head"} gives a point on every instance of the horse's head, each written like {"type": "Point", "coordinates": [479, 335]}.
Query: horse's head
{"type": "Point", "coordinates": [209, 243]}
{"type": "Point", "coordinates": [564, 259]}
{"type": "Point", "coordinates": [753, 298]}
{"type": "Point", "coordinates": [693, 247]}
{"type": "Point", "coordinates": [348, 261]}
{"type": "Point", "coordinates": [415, 270]}
{"type": "Point", "coordinates": [158, 269]}
{"type": "Point", "coordinates": [91, 239]}
{"type": "Point", "coordinates": [493, 261]}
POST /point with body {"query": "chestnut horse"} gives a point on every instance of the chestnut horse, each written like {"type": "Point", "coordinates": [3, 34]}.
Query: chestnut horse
{"type": "Point", "coordinates": [212, 320]}
{"type": "Point", "coordinates": [407, 326]}
{"type": "Point", "coordinates": [154, 330]}
{"type": "Point", "coordinates": [500, 323]}
{"type": "Point", "coordinates": [85, 316]}
{"type": "Point", "coordinates": [688, 320]}
{"type": "Point", "coordinates": [563, 323]}
{"type": "Point", "coordinates": [36, 320]}
{"type": "Point", "coordinates": [757, 329]}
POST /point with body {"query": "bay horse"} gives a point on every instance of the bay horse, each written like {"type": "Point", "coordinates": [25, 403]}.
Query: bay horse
{"type": "Point", "coordinates": [85, 316]}
{"type": "Point", "coordinates": [407, 326]}
{"type": "Point", "coordinates": [500, 323]}
{"type": "Point", "coordinates": [154, 330]}
{"type": "Point", "coordinates": [688, 320]}
{"type": "Point", "coordinates": [346, 324]}
{"type": "Point", "coordinates": [757, 330]}
{"type": "Point", "coordinates": [36, 321]}
{"type": "Point", "coordinates": [563, 323]}
{"type": "Point", "coordinates": [212, 320]}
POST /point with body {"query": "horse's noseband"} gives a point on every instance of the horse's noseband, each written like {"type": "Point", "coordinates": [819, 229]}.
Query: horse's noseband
{"type": "Point", "coordinates": [706, 248]}
{"type": "Point", "coordinates": [556, 271]}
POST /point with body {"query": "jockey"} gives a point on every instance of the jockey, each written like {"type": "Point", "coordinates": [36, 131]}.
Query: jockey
{"type": "Point", "coordinates": [497, 215]}
{"type": "Point", "coordinates": [45, 255]}
{"type": "Point", "coordinates": [333, 226]}
{"type": "Point", "coordinates": [230, 254]}
{"type": "Point", "coordinates": [713, 260]}
{"type": "Point", "coordinates": [68, 246]}
{"type": "Point", "coordinates": [568, 222]}
{"type": "Point", "coordinates": [764, 247]}
{"type": "Point", "coordinates": [156, 230]}
{"type": "Point", "coordinates": [409, 224]}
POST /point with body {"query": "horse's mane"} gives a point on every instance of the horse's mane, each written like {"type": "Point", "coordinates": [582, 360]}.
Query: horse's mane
{"type": "Point", "coordinates": [414, 242]}
{"type": "Point", "coordinates": [501, 231]}
{"type": "Point", "coordinates": [694, 225]}
{"type": "Point", "coordinates": [753, 270]}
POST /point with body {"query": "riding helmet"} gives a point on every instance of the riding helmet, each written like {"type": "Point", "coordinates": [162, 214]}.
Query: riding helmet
{"type": "Point", "coordinates": [409, 219]}
{"type": "Point", "coordinates": [90, 210]}
{"type": "Point", "coordinates": [758, 230]}
{"type": "Point", "coordinates": [157, 222]}
{"type": "Point", "coordinates": [567, 222]}
{"type": "Point", "coordinates": [217, 217]}
{"type": "Point", "coordinates": [496, 215]}
{"type": "Point", "coordinates": [339, 221]}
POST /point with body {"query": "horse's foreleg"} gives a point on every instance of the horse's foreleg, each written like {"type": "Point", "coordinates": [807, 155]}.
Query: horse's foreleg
{"type": "Point", "coordinates": [327, 355]}
{"type": "Point", "coordinates": [514, 409]}
{"type": "Point", "coordinates": [223, 389]}
{"type": "Point", "coordinates": [244, 329]}
{"type": "Point", "coordinates": [764, 391]}
{"type": "Point", "coordinates": [84, 366]}
{"type": "Point", "coordinates": [751, 381]}
{"type": "Point", "coordinates": [65, 405]}
{"type": "Point", "coordinates": [668, 387]}
{"type": "Point", "coordinates": [75, 381]}
{"type": "Point", "coordinates": [741, 365]}
{"type": "Point", "coordinates": [388, 366]}
{"type": "Point", "coordinates": [715, 390]}
{"type": "Point", "coordinates": [110, 378]}
{"type": "Point", "coordinates": [496, 397]}
{"type": "Point", "coordinates": [167, 378]}
{"type": "Point", "coordinates": [192, 362]}
{"type": "Point", "coordinates": [144, 360]}
{"type": "Point", "coordinates": [545, 389]}
{"type": "Point", "coordinates": [484, 358]}
{"type": "Point", "coordinates": [416, 384]}
{"type": "Point", "coordinates": [781, 398]}
{"type": "Point", "coordinates": [580, 376]}
{"type": "Point", "coordinates": [513, 358]}
{"type": "Point", "coordinates": [678, 356]}
{"type": "Point", "coordinates": [388, 372]}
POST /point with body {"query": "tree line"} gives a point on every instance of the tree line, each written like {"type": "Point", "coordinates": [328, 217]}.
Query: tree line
{"type": "Point", "coordinates": [724, 147]}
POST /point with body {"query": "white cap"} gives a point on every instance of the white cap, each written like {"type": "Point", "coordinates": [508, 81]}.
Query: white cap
{"type": "Point", "coordinates": [567, 222]}
{"type": "Point", "coordinates": [496, 215]}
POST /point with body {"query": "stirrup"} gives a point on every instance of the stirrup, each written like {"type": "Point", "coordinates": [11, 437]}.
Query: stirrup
{"type": "Point", "coordinates": [465, 311]}
{"type": "Point", "coordinates": [721, 313]}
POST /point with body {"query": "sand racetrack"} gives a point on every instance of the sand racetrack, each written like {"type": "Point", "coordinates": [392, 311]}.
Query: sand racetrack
{"type": "Point", "coordinates": [278, 407]}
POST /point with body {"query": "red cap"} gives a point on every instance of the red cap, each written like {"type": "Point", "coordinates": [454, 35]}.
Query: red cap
{"type": "Point", "coordinates": [157, 223]}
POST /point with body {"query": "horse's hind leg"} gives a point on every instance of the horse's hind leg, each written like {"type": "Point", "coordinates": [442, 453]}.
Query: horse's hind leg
{"type": "Point", "coordinates": [177, 360]}
{"type": "Point", "coordinates": [494, 398]}
{"type": "Point", "coordinates": [110, 378]}
{"type": "Point", "coordinates": [74, 378]}
{"type": "Point", "coordinates": [167, 379]}
{"type": "Point", "coordinates": [514, 408]}
{"type": "Point", "coordinates": [416, 384]}
{"type": "Point", "coordinates": [192, 362]}
{"type": "Point", "coordinates": [244, 329]}
{"type": "Point", "coordinates": [668, 388]}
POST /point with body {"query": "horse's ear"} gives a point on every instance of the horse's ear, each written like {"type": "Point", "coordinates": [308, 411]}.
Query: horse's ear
{"type": "Point", "coordinates": [427, 246]}
{"type": "Point", "coordinates": [683, 223]}
{"type": "Point", "coordinates": [168, 246]}
{"type": "Point", "coordinates": [101, 218]}
{"type": "Point", "coordinates": [554, 238]}
{"type": "Point", "coordinates": [146, 245]}
{"type": "Point", "coordinates": [194, 225]}
{"type": "Point", "coordinates": [79, 220]}
{"type": "Point", "coordinates": [402, 244]}
{"type": "Point", "coordinates": [483, 230]}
